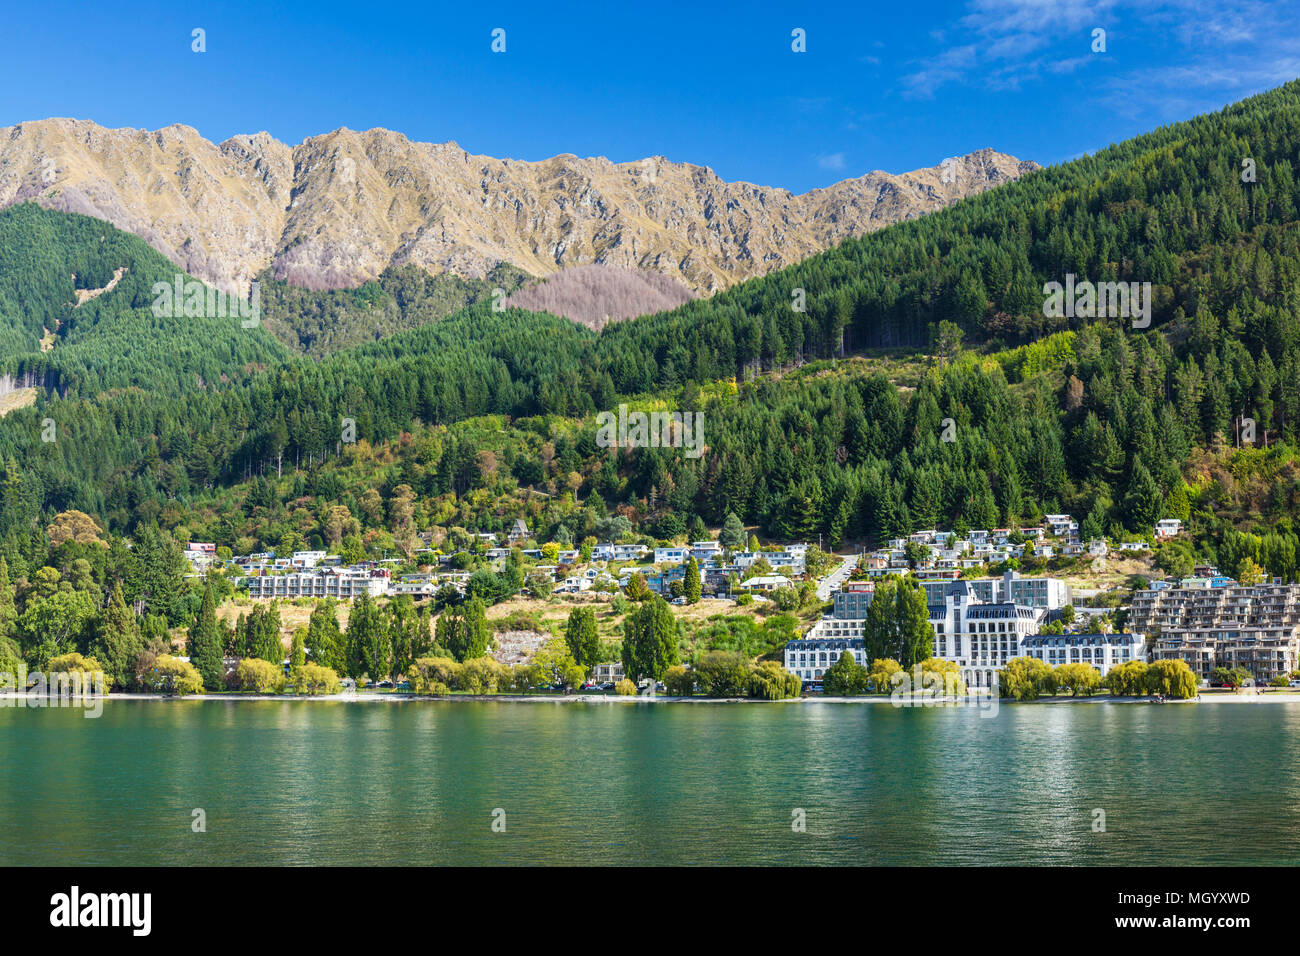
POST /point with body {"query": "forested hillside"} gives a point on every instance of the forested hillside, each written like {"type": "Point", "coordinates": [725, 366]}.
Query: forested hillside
{"type": "Point", "coordinates": [320, 323]}
{"type": "Point", "coordinates": [1115, 424]}
{"type": "Point", "coordinates": [113, 339]}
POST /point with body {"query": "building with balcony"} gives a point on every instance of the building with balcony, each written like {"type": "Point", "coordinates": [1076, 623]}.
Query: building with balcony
{"type": "Point", "coordinates": [343, 584]}
{"type": "Point", "coordinates": [810, 657]}
{"type": "Point", "coordinates": [1256, 627]}
{"type": "Point", "coordinates": [1102, 651]}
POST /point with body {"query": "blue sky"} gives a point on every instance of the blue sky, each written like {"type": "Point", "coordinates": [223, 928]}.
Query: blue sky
{"type": "Point", "coordinates": [891, 86]}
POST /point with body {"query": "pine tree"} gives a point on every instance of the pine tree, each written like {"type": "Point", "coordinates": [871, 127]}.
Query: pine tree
{"type": "Point", "coordinates": [266, 641]}
{"type": "Point", "coordinates": [118, 643]}
{"type": "Point", "coordinates": [692, 582]}
{"type": "Point", "coordinates": [205, 643]}
{"type": "Point", "coordinates": [1143, 502]}
{"type": "Point", "coordinates": [8, 611]}
{"type": "Point", "coordinates": [732, 535]}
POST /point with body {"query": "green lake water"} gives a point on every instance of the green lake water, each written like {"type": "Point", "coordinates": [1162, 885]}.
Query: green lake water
{"type": "Point", "coordinates": [319, 783]}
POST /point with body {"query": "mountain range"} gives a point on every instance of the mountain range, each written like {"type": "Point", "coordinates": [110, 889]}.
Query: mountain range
{"type": "Point", "coordinates": [338, 209]}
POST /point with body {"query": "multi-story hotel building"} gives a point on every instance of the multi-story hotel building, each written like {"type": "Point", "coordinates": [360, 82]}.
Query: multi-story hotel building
{"type": "Point", "coordinates": [1102, 651]}
{"type": "Point", "coordinates": [1048, 593]}
{"type": "Point", "coordinates": [1255, 627]}
{"type": "Point", "coordinates": [810, 657]}
{"type": "Point", "coordinates": [341, 584]}
{"type": "Point", "coordinates": [979, 636]}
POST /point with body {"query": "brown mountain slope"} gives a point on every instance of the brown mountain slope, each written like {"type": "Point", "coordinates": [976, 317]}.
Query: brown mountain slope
{"type": "Point", "coordinates": [338, 209]}
{"type": "Point", "coordinates": [595, 295]}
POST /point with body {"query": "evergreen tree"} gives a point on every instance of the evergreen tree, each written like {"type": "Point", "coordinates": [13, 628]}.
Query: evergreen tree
{"type": "Point", "coordinates": [582, 637]}
{"type": "Point", "coordinates": [363, 638]}
{"type": "Point", "coordinates": [691, 584]}
{"type": "Point", "coordinates": [118, 643]}
{"type": "Point", "coordinates": [650, 640]}
{"type": "Point", "coordinates": [204, 645]}
{"type": "Point", "coordinates": [1143, 503]}
{"type": "Point", "coordinates": [324, 640]}
{"type": "Point", "coordinates": [732, 535]}
{"type": "Point", "coordinates": [8, 611]}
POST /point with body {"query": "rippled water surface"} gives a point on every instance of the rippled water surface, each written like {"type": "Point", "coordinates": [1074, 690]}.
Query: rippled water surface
{"type": "Point", "coordinates": [422, 782]}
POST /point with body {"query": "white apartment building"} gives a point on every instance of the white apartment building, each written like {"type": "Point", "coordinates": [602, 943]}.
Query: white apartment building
{"type": "Point", "coordinates": [1046, 593]}
{"type": "Point", "coordinates": [342, 584]}
{"type": "Point", "coordinates": [1255, 627]}
{"type": "Point", "coordinates": [608, 551]}
{"type": "Point", "coordinates": [810, 657]}
{"type": "Point", "coordinates": [794, 562]}
{"type": "Point", "coordinates": [979, 636]}
{"type": "Point", "coordinates": [612, 671]}
{"type": "Point", "coordinates": [1102, 651]}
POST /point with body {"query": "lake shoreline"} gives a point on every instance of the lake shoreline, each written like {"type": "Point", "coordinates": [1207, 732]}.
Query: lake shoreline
{"type": "Point", "coordinates": [12, 698]}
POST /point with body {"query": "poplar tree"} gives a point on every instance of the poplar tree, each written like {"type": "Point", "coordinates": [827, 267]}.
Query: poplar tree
{"type": "Point", "coordinates": [582, 637]}
{"type": "Point", "coordinates": [324, 638]}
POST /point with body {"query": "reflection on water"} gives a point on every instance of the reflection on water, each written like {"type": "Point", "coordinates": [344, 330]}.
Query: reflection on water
{"type": "Point", "coordinates": [333, 783]}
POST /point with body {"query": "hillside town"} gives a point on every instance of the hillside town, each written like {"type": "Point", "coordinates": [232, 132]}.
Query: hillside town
{"type": "Point", "coordinates": [980, 621]}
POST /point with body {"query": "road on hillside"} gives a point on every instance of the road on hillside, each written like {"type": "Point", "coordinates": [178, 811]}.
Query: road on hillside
{"type": "Point", "coordinates": [837, 577]}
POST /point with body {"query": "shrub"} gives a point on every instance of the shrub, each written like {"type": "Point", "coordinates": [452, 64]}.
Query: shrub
{"type": "Point", "coordinates": [482, 675]}
{"type": "Point", "coordinates": [845, 677]}
{"type": "Point", "coordinates": [1081, 680]}
{"type": "Point", "coordinates": [430, 672]}
{"type": "Point", "coordinates": [723, 674]}
{"type": "Point", "coordinates": [170, 675]}
{"type": "Point", "coordinates": [625, 688]}
{"type": "Point", "coordinates": [679, 682]}
{"type": "Point", "coordinates": [313, 679]}
{"type": "Point", "coordinates": [259, 676]}
{"type": "Point", "coordinates": [771, 681]}
{"type": "Point", "coordinates": [1025, 678]}
{"type": "Point", "coordinates": [881, 675]}
{"type": "Point", "coordinates": [1127, 679]}
{"type": "Point", "coordinates": [74, 663]}
{"type": "Point", "coordinates": [1172, 679]}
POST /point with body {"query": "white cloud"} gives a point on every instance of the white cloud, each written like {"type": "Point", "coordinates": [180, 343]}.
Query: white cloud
{"type": "Point", "coordinates": [1002, 44]}
{"type": "Point", "coordinates": [832, 161]}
